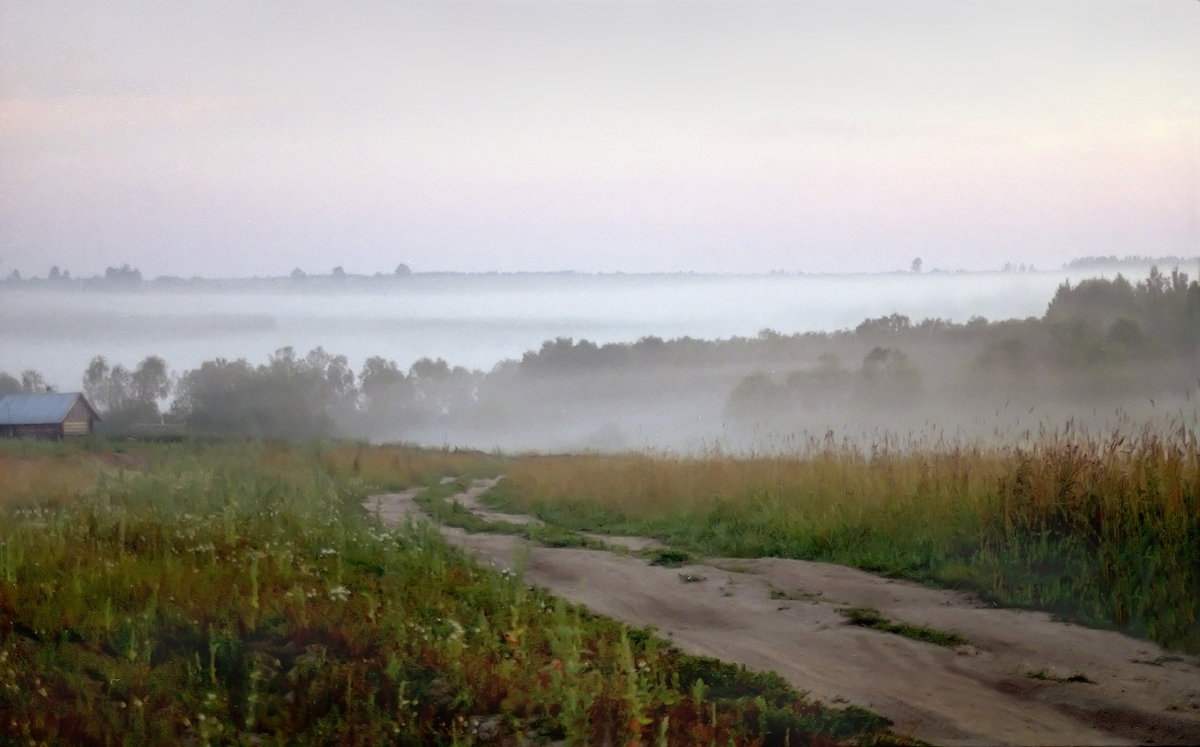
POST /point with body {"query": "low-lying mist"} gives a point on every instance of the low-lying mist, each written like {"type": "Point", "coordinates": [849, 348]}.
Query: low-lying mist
{"type": "Point", "coordinates": [1107, 354]}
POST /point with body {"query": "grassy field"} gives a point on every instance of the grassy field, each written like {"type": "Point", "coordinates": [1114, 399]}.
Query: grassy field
{"type": "Point", "coordinates": [1100, 530]}
{"type": "Point", "coordinates": [237, 593]}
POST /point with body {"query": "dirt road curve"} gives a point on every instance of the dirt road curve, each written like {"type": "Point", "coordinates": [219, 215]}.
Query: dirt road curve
{"type": "Point", "coordinates": [782, 615]}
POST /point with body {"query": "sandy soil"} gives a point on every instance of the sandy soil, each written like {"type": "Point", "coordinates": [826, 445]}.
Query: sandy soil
{"type": "Point", "coordinates": [783, 615]}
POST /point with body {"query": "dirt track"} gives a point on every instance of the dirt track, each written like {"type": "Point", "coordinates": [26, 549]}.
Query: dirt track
{"type": "Point", "coordinates": [783, 615]}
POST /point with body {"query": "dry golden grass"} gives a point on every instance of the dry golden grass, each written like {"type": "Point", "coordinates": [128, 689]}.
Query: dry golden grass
{"type": "Point", "coordinates": [840, 483]}
{"type": "Point", "coordinates": [50, 476]}
{"type": "Point", "coordinates": [397, 466]}
{"type": "Point", "coordinates": [1103, 529]}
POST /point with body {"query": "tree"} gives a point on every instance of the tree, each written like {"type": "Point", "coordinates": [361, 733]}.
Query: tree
{"type": "Point", "coordinates": [288, 397]}
{"type": "Point", "coordinates": [217, 397]}
{"type": "Point", "coordinates": [123, 275]}
{"type": "Point", "coordinates": [889, 378]}
{"type": "Point", "coordinates": [402, 270]}
{"type": "Point", "coordinates": [891, 324]}
{"type": "Point", "coordinates": [9, 385]}
{"type": "Point", "coordinates": [127, 397]}
{"type": "Point", "coordinates": [916, 265]}
{"type": "Point", "coordinates": [33, 382]}
{"type": "Point", "coordinates": [95, 380]}
{"type": "Point", "coordinates": [381, 381]}
{"type": "Point", "coordinates": [150, 381]}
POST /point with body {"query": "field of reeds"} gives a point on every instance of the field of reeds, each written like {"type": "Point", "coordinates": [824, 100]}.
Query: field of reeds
{"type": "Point", "coordinates": [238, 593]}
{"type": "Point", "coordinates": [1102, 530]}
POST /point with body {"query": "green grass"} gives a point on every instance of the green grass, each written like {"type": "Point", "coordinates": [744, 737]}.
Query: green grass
{"type": "Point", "coordinates": [868, 617]}
{"type": "Point", "coordinates": [232, 593]}
{"type": "Point", "coordinates": [1098, 530]}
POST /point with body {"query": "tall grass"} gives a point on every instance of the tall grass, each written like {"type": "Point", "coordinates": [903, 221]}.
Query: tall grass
{"type": "Point", "coordinates": [1103, 530]}
{"type": "Point", "coordinates": [237, 593]}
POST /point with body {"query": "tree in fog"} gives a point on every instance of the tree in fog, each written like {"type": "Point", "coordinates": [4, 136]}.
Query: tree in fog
{"type": "Point", "coordinates": [150, 382]}
{"type": "Point", "coordinates": [385, 396]}
{"type": "Point", "coordinates": [888, 377]}
{"type": "Point", "coordinates": [288, 397]}
{"type": "Point", "coordinates": [33, 382]}
{"type": "Point", "coordinates": [440, 392]}
{"type": "Point", "coordinates": [123, 276]}
{"type": "Point", "coordinates": [217, 397]}
{"type": "Point", "coordinates": [9, 384]}
{"type": "Point", "coordinates": [126, 397]}
{"type": "Point", "coordinates": [757, 397]}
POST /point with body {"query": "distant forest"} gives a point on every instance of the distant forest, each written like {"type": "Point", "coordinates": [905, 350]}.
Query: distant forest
{"type": "Point", "coordinates": [125, 277]}
{"type": "Point", "coordinates": [1101, 342]}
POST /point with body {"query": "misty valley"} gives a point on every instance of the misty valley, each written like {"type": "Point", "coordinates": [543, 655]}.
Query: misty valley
{"type": "Point", "coordinates": [1105, 351]}
{"type": "Point", "coordinates": [867, 526]}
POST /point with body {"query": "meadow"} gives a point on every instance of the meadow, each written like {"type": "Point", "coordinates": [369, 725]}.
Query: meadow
{"type": "Point", "coordinates": [1103, 530]}
{"type": "Point", "coordinates": [236, 592]}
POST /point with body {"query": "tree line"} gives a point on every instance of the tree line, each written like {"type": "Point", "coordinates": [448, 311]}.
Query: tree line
{"type": "Point", "coordinates": [1103, 336]}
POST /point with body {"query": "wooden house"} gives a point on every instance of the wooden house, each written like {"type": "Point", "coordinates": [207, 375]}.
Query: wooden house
{"type": "Point", "coordinates": [49, 415]}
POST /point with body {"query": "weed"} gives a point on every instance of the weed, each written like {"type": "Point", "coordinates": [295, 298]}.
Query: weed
{"type": "Point", "coordinates": [1042, 674]}
{"type": "Point", "coordinates": [669, 558]}
{"type": "Point", "coordinates": [868, 617]}
{"type": "Point", "coordinates": [799, 595]}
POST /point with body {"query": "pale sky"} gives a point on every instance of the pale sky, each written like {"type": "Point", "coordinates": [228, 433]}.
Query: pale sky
{"type": "Point", "coordinates": [240, 138]}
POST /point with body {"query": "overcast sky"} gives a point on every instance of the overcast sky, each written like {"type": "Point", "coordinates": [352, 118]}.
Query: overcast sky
{"type": "Point", "coordinates": [248, 138]}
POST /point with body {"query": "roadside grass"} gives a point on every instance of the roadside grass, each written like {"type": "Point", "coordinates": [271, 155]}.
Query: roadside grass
{"type": "Point", "coordinates": [237, 593]}
{"type": "Point", "coordinates": [1100, 530]}
{"type": "Point", "coordinates": [434, 502]}
{"type": "Point", "coordinates": [869, 617]}
{"type": "Point", "coordinates": [1042, 674]}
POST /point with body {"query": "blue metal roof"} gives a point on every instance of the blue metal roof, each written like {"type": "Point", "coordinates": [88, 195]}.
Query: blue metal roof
{"type": "Point", "coordinates": [36, 409]}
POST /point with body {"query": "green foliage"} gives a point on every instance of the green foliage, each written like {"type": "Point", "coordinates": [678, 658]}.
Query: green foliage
{"type": "Point", "coordinates": [288, 397]}
{"type": "Point", "coordinates": [237, 593]}
{"type": "Point", "coordinates": [1101, 320]}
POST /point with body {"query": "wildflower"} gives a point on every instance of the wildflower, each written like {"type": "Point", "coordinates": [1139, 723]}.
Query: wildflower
{"type": "Point", "coordinates": [339, 593]}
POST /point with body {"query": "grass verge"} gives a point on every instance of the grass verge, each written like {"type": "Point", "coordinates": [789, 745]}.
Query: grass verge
{"type": "Point", "coordinates": [1100, 530]}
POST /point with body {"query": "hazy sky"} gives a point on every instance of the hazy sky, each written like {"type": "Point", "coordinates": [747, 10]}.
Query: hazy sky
{"type": "Point", "coordinates": [230, 138]}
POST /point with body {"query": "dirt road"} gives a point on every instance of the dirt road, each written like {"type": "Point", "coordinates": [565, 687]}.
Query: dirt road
{"type": "Point", "coordinates": [1008, 685]}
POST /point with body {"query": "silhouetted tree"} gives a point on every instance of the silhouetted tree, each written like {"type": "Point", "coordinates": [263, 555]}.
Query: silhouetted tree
{"type": "Point", "coordinates": [123, 276]}
{"type": "Point", "coordinates": [32, 382]}
{"type": "Point", "coordinates": [9, 384]}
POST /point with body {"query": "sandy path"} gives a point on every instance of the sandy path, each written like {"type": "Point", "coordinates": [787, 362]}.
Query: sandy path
{"type": "Point", "coordinates": [979, 693]}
